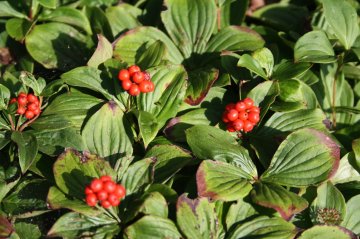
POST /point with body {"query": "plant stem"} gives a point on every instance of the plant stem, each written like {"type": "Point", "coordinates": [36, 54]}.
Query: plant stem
{"type": "Point", "coordinates": [11, 122]}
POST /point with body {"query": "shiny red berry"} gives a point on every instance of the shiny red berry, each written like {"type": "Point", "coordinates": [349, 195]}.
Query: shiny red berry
{"type": "Point", "coordinates": [134, 90]}
{"type": "Point", "coordinates": [126, 84]}
{"type": "Point", "coordinates": [232, 115]}
{"type": "Point", "coordinates": [230, 127]}
{"type": "Point", "coordinates": [243, 115]}
{"type": "Point", "coordinates": [114, 200]}
{"type": "Point", "coordinates": [138, 77]}
{"type": "Point", "coordinates": [254, 109]}
{"type": "Point", "coordinates": [88, 190]}
{"type": "Point", "coordinates": [102, 195]}
{"type": "Point", "coordinates": [248, 126]}
{"type": "Point", "coordinates": [29, 114]}
{"type": "Point", "coordinates": [32, 98]}
{"type": "Point", "coordinates": [22, 94]}
{"type": "Point", "coordinates": [224, 118]}
{"type": "Point", "coordinates": [105, 204]}
{"type": "Point", "coordinates": [238, 124]}
{"type": "Point", "coordinates": [21, 110]}
{"type": "Point", "coordinates": [133, 69]}
{"type": "Point", "coordinates": [37, 111]}
{"type": "Point", "coordinates": [13, 100]}
{"type": "Point", "coordinates": [124, 75]}
{"type": "Point", "coordinates": [91, 199]}
{"type": "Point", "coordinates": [32, 106]}
{"type": "Point", "coordinates": [105, 178]}
{"type": "Point", "coordinates": [96, 185]}
{"type": "Point", "coordinates": [120, 191]}
{"type": "Point", "coordinates": [248, 102]}
{"type": "Point", "coordinates": [145, 86]}
{"type": "Point", "coordinates": [22, 100]}
{"type": "Point", "coordinates": [240, 106]}
{"type": "Point", "coordinates": [109, 186]}
{"type": "Point", "coordinates": [254, 117]}
{"type": "Point", "coordinates": [230, 106]}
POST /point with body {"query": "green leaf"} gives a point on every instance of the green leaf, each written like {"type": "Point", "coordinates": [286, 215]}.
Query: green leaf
{"type": "Point", "coordinates": [343, 20]}
{"type": "Point", "coordinates": [314, 47]}
{"type": "Point", "coordinates": [82, 226]}
{"type": "Point", "coordinates": [169, 160]}
{"type": "Point", "coordinates": [264, 228]}
{"type": "Point", "coordinates": [152, 227]}
{"type": "Point", "coordinates": [196, 218]}
{"type": "Point", "coordinates": [18, 28]}
{"type": "Point", "coordinates": [73, 171]}
{"type": "Point", "coordinates": [27, 148]}
{"type": "Point", "coordinates": [208, 142]}
{"type": "Point", "coordinates": [235, 38]}
{"type": "Point", "coordinates": [221, 181]}
{"type": "Point", "coordinates": [314, 159]}
{"type": "Point", "coordinates": [238, 212]}
{"type": "Point", "coordinates": [148, 126]}
{"type": "Point", "coordinates": [153, 55]}
{"type": "Point", "coordinates": [329, 206]}
{"type": "Point", "coordinates": [23, 200]}
{"type": "Point", "coordinates": [57, 200]}
{"type": "Point", "coordinates": [252, 65]}
{"type": "Point", "coordinates": [266, 60]}
{"type": "Point", "coordinates": [352, 218]}
{"type": "Point", "coordinates": [276, 197]}
{"type": "Point", "coordinates": [346, 172]}
{"type": "Point", "coordinates": [99, 22]}
{"type": "Point", "coordinates": [289, 70]}
{"type": "Point", "coordinates": [27, 230]}
{"type": "Point", "coordinates": [69, 16]}
{"type": "Point", "coordinates": [200, 82]}
{"type": "Point", "coordinates": [6, 10]}
{"type": "Point", "coordinates": [139, 175]}
{"type": "Point", "coordinates": [73, 106]}
{"type": "Point", "coordinates": [130, 46]}
{"type": "Point", "coordinates": [108, 134]}
{"type": "Point", "coordinates": [327, 231]}
{"type": "Point", "coordinates": [128, 20]}
{"type": "Point", "coordinates": [54, 45]}
{"type": "Point", "coordinates": [4, 97]}
{"type": "Point", "coordinates": [170, 86]}
{"type": "Point", "coordinates": [190, 33]}
{"type": "Point", "coordinates": [30, 81]}
{"type": "Point", "coordinates": [89, 77]}
{"type": "Point", "coordinates": [48, 3]}
{"type": "Point", "coordinates": [102, 53]}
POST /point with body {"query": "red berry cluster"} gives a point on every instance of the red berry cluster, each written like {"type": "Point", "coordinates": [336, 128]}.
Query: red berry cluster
{"type": "Point", "coordinates": [134, 81]}
{"type": "Point", "coordinates": [242, 116]}
{"type": "Point", "coordinates": [105, 190]}
{"type": "Point", "coordinates": [28, 105]}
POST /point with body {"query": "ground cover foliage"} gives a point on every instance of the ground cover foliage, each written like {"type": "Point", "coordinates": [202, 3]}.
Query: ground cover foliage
{"type": "Point", "coordinates": [187, 174]}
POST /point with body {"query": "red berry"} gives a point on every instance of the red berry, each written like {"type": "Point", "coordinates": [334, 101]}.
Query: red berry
{"type": "Point", "coordinates": [32, 106]}
{"type": "Point", "coordinates": [22, 94]}
{"type": "Point", "coordinates": [224, 118]}
{"type": "Point", "coordinates": [254, 117]}
{"type": "Point", "coordinates": [109, 186]}
{"type": "Point", "coordinates": [105, 178]}
{"type": "Point", "coordinates": [255, 109]}
{"type": "Point", "coordinates": [105, 204]}
{"type": "Point", "coordinates": [232, 115]}
{"type": "Point", "coordinates": [230, 127]}
{"type": "Point", "coordinates": [29, 114]}
{"type": "Point", "coordinates": [248, 126]}
{"type": "Point", "coordinates": [37, 111]}
{"type": "Point", "coordinates": [13, 100]}
{"type": "Point", "coordinates": [22, 100]}
{"type": "Point", "coordinates": [21, 110]}
{"type": "Point", "coordinates": [96, 185]}
{"type": "Point", "coordinates": [120, 191]}
{"type": "Point", "coordinates": [238, 124]}
{"type": "Point", "coordinates": [91, 199]}
{"type": "Point", "coordinates": [243, 115]}
{"type": "Point", "coordinates": [132, 69]}
{"type": "Point", "coordinates": [147, 75]}
{"type": "Point", "coordinates": [88, 190]}
{"type": "Point", "coordinates": [240, 106]}
{"type": "Point", "coordinates": [230, 106]}
{"type": "Point", "coordinates": [138, 77]}
{"type": "Point", "coordinates": [152, 86]}
{"type": "Point", "coordinates": [32, 98]}
{"type": "Point", "coordinates": [124, 75]}
{"type": "Point", "coordinates": [248, 102]}
{"type": "Point", "coordinates": [126, 84]}
{"type": "Point", "coordinates": [114, 200]}
{"type": "Point", "coordinates": [134, 90]}
{"type": "Point", "coordinates": [145, 86]}
{"type": "Point", "coordinates": [102, 195]}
